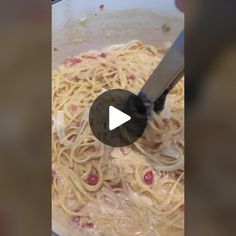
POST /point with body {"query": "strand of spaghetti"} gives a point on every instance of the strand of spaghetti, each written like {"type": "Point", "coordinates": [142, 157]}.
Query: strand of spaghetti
{"type": "Point", "coordinates": [167, 200]}
{"type": "Point", "coordinates": [77, 183]}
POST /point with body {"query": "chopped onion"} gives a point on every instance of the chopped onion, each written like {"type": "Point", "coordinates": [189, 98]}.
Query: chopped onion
{"type": "Point", "coordinates": [108, 202]}
{"type": "Point", "coordinates": [54, 124]}
{"type": "Point", "coordinates": [60, 127]}
{"type": "Point", "coordinates": [83, 20]}
{"type": "Point", "coordinates": [178, 165]}
{"type": "Point", "coordinates": [117, 153]}
{"type": "Point", "coordinates": [173, 153]}
{"type": "Point", "coordinates": [170, 152]}
{"type": "Point", "coordinates": [103, 90]}
{"type": "Point", "coordinates": [167, 45]}
{"type": "Point", "coordinates": [181, 141]}
{"type": "Point", "coordinates": [114, 47]}
{"type": "Point", "coordinates": [138, 198]}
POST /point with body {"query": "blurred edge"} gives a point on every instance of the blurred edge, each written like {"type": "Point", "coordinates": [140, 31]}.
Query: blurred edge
{"type": "Point", "coordinates": [210, 128]}
{"type": "Point", "coordinates": [25, 95]}
{"type": "Point", "coordinates": [25, 118]}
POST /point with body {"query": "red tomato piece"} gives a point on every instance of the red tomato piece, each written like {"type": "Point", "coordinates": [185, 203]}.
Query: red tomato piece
{"type": "Point", "coordinates": [148, 177]}
{"type": "Point", "coordinates": [92, 179]}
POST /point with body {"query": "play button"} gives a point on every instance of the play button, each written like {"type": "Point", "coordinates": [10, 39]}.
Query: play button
{"type": "Point", "coordinates": [118, 118]}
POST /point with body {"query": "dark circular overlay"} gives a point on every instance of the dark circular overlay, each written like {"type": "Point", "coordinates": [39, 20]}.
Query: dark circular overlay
{"type": "Point", "coordinates": [126, 102]}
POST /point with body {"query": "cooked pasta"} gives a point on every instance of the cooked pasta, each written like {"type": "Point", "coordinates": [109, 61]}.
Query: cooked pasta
{"type": "Point", "coordinates": [134, 190]}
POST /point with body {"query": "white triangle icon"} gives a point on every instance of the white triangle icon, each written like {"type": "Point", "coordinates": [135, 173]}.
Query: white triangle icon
{"type": "Point", "coordinates": [117, 118]}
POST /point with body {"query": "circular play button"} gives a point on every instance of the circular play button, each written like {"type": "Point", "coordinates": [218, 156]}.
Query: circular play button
{"type": "Point", "coordinates": [118, 118]}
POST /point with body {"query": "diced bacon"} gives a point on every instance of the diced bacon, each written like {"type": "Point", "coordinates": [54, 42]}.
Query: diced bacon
{"type": "Point", "coordinates": [117, 185]}
{"type": "Point", "coordinates": [89, 57]}
{"type": "Point", "coordinates": [87, 225]}
{"type": "Point", "coordinates": [178, 173]}
{"type": "Point", "coordinates": [132, 77]}
{"type": "Point", "coordinates": [71, 61]}
{"type": "Point", "coordinates": [90, 149]}
{"type": "Point", "coordinates": [104, 55]}
{"type": "Point", "coordinates": [74, 108]}
{"type": "Point", "coordinates": [112, 75]}
{"type": "Point", "coordinates": [92, 179]}
{"type": "Point", "coordinates": [165, 121]}
{"type": "Point", "coordinates": [75, 219]}
{"type": "Point", "coordinates": [148, 177]}
{"type": "Point", "coordinates": [53, 174]}
{"type": "Point", "coordinates": [72, 78]}
{"type": "Point", "coordinates": [163, 174]}
{"type": "Point", "coordinates": [80, 208]}
{"type": "Point", "coordinates": [72, 137]}
{"type": "Point", "coordinates": [101, 6]}
{"type": "Point", "coordinates": [80, 123]}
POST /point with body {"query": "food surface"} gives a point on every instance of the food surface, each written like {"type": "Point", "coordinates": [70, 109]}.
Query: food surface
{"type": "Point", "coordinates": [134, 190]}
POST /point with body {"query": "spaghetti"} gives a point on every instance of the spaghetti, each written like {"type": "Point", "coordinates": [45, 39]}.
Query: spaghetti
{"type": "Point", "coordinates": [134, 190]}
